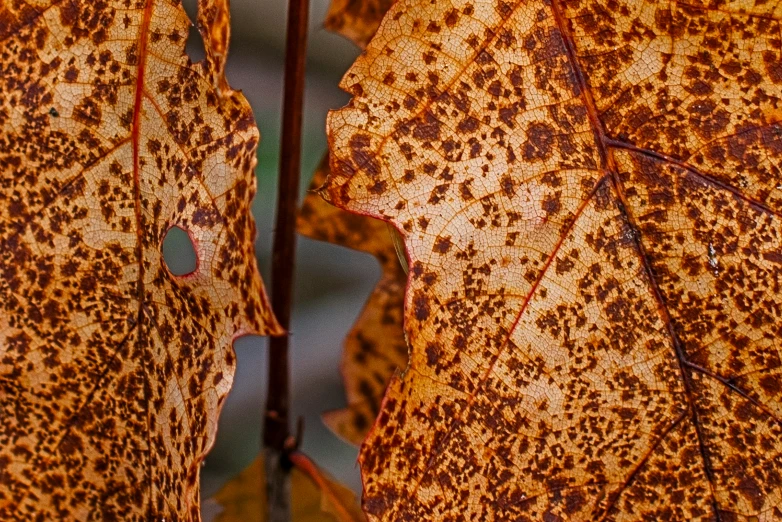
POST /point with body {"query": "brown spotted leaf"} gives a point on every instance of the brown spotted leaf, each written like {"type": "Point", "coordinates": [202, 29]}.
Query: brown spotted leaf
{"type": "Point", "coordinates": [112, 369]}
{"type": "Point", "coordinates": [375, 347]}
{"type": "Point", "coordinates": [315, 496]}
{"type": "Point", "coordinates": [590, 194]}
{"type": "Point", "coordinates": [356, 20]}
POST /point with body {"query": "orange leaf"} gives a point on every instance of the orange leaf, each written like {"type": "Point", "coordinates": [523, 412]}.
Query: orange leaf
{"type": "Point", "coordinates": [375, 347]}
{"type": "Point", "coordinates": [315, 496]}
{"type": "Point", "coordinates": [356, 20]}
{"type": "Point", "coordinates": [112, 369]}
{"type": "Point", "coordinates": [590, 194]}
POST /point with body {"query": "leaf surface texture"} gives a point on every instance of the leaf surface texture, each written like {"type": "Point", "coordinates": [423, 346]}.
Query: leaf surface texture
{"type": "Point", "coordinates": [112, 369]}
{"type": "Point", "coordinates": [590, 198]}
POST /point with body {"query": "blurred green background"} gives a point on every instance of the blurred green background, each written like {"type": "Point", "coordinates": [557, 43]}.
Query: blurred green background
{"type": "Point", "coordinates": [332, 283]}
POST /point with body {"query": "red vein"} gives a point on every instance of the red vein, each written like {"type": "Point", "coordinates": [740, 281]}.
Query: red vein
{"type": "Point", "coordinates": [135, 139]}
{"type": "Point", "coordinates": [528, 298]}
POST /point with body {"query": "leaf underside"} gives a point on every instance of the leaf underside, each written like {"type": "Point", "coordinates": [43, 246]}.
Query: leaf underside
{"type": "Point", "coordinates": [375, 347]}
{"type": "Point", "coordinates": [590, 194]}
{"type": "Point", "coordinates": [112, 369]}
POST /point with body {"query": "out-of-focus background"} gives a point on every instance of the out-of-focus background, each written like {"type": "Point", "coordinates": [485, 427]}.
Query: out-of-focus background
{"type": "Point", "coordinates": [332, 283]}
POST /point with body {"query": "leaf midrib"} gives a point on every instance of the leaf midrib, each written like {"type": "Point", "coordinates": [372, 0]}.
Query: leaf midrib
{"type": "Point", "coordinates": [609, 164]}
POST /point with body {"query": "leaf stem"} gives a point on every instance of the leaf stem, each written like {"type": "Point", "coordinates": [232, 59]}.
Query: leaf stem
{"type": "Point", "coordinates": [276, 436]}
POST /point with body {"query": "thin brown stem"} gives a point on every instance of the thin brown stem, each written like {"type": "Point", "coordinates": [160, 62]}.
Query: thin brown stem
{"type": "Point", "coordinates": [276, 433]}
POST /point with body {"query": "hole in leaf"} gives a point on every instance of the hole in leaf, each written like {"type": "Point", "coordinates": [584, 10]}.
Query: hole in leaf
{"type": "Point", "coordinates": [195, 45]}
{"type": "Point", "coordinates": [178, 252]}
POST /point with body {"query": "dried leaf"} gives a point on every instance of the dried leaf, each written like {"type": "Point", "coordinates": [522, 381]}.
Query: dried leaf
{"type": "Point", "coordinates": [375, 347]}
{"type": "Point", "coordinates": [356, 20]}
{"type": "Point", "coordinates": [590, 199]}
{"type": "Point", "coordinates": [112, 369]}
{"type": "Point", "coordinates": [315, 496]}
